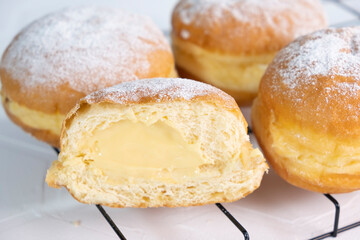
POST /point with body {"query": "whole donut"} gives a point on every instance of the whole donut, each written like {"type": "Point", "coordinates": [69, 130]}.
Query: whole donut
{"type": "Point", "coordinates": [230, 43]}
{"type": "Point", "coordinates": [64, 56]}
{"type": "Point", "coordinates": [307, 114]}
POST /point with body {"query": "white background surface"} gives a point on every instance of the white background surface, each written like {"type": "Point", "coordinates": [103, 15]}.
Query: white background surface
{"type": "Point", "coordinates": [31, 210]}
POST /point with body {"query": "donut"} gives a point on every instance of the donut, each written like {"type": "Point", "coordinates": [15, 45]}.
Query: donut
{"type": "Point", "coordinates": [307, 114]}
{"type": "Point", "coordinates": [230, 43]}
{"type": "Point", "coordinates": [64, 56]}
{"type": "Point", "coordinates": [155, 143]}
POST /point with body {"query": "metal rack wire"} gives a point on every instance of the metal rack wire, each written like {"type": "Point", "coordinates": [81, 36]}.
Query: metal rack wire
{"type": "Point", "coordinates": [336, 230]}
{"type": "Point", "coordinates": [219, 205]}
{"type": "Point", "coordinates": [111, 222]}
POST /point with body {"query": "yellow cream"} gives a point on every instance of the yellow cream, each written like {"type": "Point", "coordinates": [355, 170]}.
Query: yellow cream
{"type": "Point", "coordinates": [306, 147]}
{"type": "Point", "coordinates": [134, 150]}
{"type": "Point", "coordinates": [36, 119]}
{"type": "Point", "coordinates": [227, 71]}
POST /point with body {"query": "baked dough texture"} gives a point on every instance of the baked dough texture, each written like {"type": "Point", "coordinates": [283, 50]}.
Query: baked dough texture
{"type": "Point", "coordinates": [154, 143]}
{"type": "Point", "coordinates": [64, 56]}
{"type": "Point", "coordinates": [307, 114]}
{"type": "Point", "coordinates": [230, 43]}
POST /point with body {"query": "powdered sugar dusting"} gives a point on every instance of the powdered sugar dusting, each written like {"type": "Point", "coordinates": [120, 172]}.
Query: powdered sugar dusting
{"type": "Point", "coordinates": [329, 52]}
{"type": "Point", "coordinates": [257, 13]}
{"type": "Point", "coordinates": [157, 89]}
{"type": "Point", "coordinates": [318, 77]}
{"type": "Point", "coordinates": [185, 34]}
{"type": "Point", "coordinates": [85, 48]}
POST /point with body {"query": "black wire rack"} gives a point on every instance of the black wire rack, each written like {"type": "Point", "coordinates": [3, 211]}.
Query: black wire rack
{"type": "Point", "coordinates": [336, 230]}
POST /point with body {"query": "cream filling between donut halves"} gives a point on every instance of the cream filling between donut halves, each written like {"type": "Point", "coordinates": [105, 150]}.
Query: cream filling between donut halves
{"type": "Point", "coordinates": [133, 150]}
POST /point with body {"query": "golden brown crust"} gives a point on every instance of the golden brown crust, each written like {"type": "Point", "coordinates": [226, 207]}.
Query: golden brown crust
{"type": "Point", "coordinates": [311, 86]}
{"type": "Point", "coordinates": [64, 97]}
{"type": "Point", "coordinates": [52, 63]}
{"type": "Point", "coordinates": [319, 182]}
{"type": "Point", "coordinates": [40, 98]}
{"type": "Point", "coordinates": [165, 90]}
{"type": "Point", "coordinates": [332, 183]}
{"type": "Point", "coordinates": [232, 28]}
{"type": "Point", "coordinates": [313, 81]}
{"type": "Point", "coordinates": [242, 98]}
{"type": "Point", "coordinates": [60, 88]}
{"type": "Point", "coordinates": [40, 134]}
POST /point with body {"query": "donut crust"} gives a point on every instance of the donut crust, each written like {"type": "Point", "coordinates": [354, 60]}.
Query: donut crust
{"type": "Point", "coordinates": [64, 62]}
{"type": "Point", "coordinates": [306, 116]}
{"type": "Point", "coordinates": [227, 45]}
{"type": "Point", "coordinates": [224, 34]}
{"type": "Point", "coordinates": [323, 183]}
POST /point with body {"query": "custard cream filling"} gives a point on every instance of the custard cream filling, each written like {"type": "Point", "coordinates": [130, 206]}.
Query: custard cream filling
{"type": "Point", "coordinates": [315, 150]}
{"type": "Point", "coordinates": [233, 72]}
{"type": "Point", "coordinates": [35, 119]}
{"type": "Point", "coordinates": [135, 150]}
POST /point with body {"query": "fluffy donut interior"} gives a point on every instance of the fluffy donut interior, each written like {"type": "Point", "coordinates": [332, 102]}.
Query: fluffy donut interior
{"type": "Point", "coordinates": [233, 72]}
{"type": "Point", "coordinates": [33, 118]}
{"type": "Point", "coordinates": [161, 154]}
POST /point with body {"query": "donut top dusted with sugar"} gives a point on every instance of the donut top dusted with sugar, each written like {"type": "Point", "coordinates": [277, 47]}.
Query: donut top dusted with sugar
{"type": "Point", "coordinates": [161, 90]}
{"type": "Point", "coordinates": [81, 50]}
{"type": "Point", "coordinates": [316, 79]}
{"type": "Point", "coordinates": [245, 26]}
